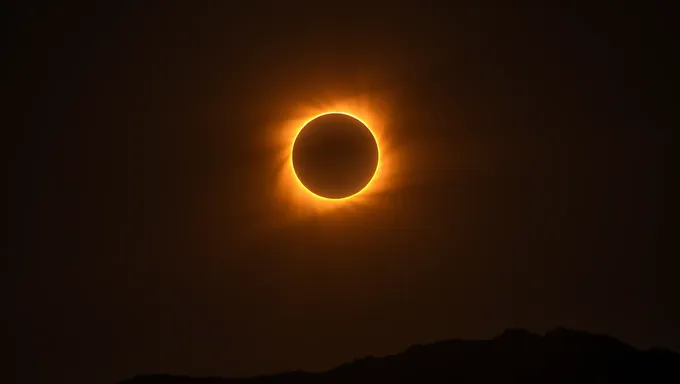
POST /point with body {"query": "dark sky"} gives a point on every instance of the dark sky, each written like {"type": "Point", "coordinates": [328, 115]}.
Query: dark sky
{"type": "Point", "coordinates": [148, 232]}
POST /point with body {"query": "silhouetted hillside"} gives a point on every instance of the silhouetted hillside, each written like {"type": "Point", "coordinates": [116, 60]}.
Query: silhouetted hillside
{"type": "Point", "coordinates": [516, 356]}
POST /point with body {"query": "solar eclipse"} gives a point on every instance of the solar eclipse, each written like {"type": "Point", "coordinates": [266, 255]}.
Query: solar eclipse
{"type": "Point", "coordinates": [335, 156]}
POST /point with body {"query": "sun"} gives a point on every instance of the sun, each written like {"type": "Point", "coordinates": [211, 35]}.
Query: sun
{"type": "Point", "coordinates": [372, 113]}
{"type": "Point", "coordinates": [297, 176]}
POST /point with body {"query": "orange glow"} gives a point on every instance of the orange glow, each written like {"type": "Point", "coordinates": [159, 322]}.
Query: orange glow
{"type": "Point", "coordinates": [294, 194]}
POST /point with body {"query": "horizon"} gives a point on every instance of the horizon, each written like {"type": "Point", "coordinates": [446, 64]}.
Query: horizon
{"type": "Point", "coordinates": [509, 336]}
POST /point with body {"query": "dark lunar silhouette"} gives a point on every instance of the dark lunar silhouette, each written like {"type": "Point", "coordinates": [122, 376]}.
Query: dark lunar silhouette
{"type": "Point", "coordinates": [516, 356]}
{"type": "Point", "coordinates": [335, 156]}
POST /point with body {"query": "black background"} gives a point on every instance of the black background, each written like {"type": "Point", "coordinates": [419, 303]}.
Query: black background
{"type": "Point", "coordinates": [144, 232]}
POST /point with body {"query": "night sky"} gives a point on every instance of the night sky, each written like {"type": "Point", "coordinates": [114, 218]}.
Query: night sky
{"type": "Point", "coordinates": [154, 227]}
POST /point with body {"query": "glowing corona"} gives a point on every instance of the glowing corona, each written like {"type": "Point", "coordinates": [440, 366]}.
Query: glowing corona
{"type": "Point", "coordinates": [290, 189]}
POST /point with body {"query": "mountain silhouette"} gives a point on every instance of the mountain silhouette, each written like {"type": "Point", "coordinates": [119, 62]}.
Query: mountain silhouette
{"type": "Point", "coordinates": [515, 356]}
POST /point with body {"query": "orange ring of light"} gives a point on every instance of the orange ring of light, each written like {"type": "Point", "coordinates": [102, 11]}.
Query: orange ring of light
{"type": "Point", "coordinates": [377, 144]}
